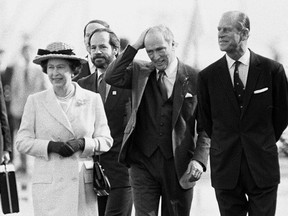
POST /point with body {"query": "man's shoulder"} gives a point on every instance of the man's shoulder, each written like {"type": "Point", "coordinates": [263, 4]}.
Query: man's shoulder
{"type": "Point", "coordinates": [211, 67]}
{"type": "Point", "coordinates": [85, 71]}
{"type": "Point", "coordinates": [262, 58]}
{"type": "Point", "coordinates": [267, 64]}
{"type": "Point", "coordinates": [86, 79]}
{"type": "Point", "coordinates": [187, 67]}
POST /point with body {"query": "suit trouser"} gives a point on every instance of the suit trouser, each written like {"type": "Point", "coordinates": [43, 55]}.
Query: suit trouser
{"type": "Point", "coordinates": [155, 177]}
{"type": "Point", "coordinates": [247, 196]}
{"type": "Point", "coordinates": [118, 203]}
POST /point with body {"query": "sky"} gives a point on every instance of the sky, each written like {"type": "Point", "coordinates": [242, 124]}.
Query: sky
{"type": "Point", "coordinates": [193, 22]}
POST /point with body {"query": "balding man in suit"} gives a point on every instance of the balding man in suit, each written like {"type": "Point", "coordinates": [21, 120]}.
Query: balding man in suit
{"type": "Point", "coordinates": [243, 100]}
{"type": "Point", "coordinates": [160, 145]}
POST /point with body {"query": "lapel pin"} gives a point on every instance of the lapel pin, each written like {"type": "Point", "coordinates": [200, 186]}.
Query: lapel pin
{"type": "Point", "coordinates": [114, 92]}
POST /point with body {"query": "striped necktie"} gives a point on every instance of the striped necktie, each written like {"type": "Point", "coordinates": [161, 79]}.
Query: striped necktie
{"type": "Point", "coordinates": [102, 87]}
{"type": "Point", "coordinates": [238, 85]}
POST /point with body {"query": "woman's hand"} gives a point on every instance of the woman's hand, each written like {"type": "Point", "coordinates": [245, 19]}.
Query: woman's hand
{"type": "Point", "coordinates": [60, 148]}
{"type": "Point", "coordinates": [76, 144]}
{"type": "Point", "coordinates": [5, 157]}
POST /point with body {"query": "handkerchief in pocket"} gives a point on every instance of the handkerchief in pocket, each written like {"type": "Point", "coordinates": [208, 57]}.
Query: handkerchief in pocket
{"type": "Point", "coordinates": [188, 95]}
{"type": "Point", "coordinates": [260, 90]}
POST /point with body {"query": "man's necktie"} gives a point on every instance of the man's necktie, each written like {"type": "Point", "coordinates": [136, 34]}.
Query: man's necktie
{"type": "Point", "coordinates": [238, 85]}
{"type": "Point", "coordinates": [162, 85]}
{"type": "Point", "coordinates": [102, 87]}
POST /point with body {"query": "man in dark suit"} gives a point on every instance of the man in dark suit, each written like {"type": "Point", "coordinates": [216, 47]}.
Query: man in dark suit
{"type": "Point", "coordinates": [104, 46]}
{"type": "Point", "coordinates": [243, 100]}
{"type": "Point", "coordinates": [159, 138]}
{"type": "Point", "coordinates": [89, 67]}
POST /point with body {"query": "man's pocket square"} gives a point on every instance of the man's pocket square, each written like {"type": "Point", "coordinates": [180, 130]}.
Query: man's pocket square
{"type": "Point", "coordinates": [260, 90]}
{"type": "Point", "coordinates": [188, 95]}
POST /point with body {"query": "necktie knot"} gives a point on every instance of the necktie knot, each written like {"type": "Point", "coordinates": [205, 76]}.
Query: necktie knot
{"type": "Point", "coordinates": [237, 63]}
{"type": "Point", "coordinates": [100, 78]}
{"type": "Point", "coordinates": [161, 73]}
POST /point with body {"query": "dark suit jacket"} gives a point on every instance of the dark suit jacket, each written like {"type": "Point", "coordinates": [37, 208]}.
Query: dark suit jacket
{"type": "Point", "coordinates": [85, 71]}
{"type": "Point", "coordinates": [117, 109]}
{"type": "Point", "coordinates": [255, 130]}
{"type": "Point", "coordinates": [5, 135]}
{"type": "Point", "coordinates": [134, 76]}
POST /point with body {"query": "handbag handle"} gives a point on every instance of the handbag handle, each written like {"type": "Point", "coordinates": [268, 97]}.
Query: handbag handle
{"type": "Point", "coordinates": [96, 157]}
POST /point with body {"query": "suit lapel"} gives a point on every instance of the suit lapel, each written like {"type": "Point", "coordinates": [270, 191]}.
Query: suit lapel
{"type": "Point", "coordinates": [225, 79]}
{"type": "Point", "coordinates": [179, 91]}
{"type": "Point", "coordinates": [253, 74]}
{"type": "Point", "coordinates": [91, 82]}
{"type": "Point", "coordinates": [140, 80]}
{"type": "Point", "coordinates": [113, 97]}
{"type": "Point", "coordinates": [53, 107]}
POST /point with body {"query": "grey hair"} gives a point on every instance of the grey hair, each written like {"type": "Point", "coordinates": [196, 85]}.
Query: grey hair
{"type": "Point", "coordinates": [166, 32]}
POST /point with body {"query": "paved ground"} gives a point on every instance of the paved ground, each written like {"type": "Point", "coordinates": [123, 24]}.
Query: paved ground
{"type": "Point", "coordinates": [204, 203]}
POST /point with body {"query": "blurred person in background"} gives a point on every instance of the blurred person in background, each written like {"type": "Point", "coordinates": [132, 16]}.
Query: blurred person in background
{"type": "Point", "coordinates": [165, 154]}
{"type": "Point", "coordinates": [62, 127]}
{"type": "Point", "coordinates": [104, 47]}
{"type": "Point", "coordinates": [5, 135]}
{"type": "Point", "coordinates": [89, 67]}
{"type": "Point", "coordinates": [243, 102]}
{"type": "Point", "coordinates": [26, 80]}
{"type": "Point", "coordinates": [6, 72]}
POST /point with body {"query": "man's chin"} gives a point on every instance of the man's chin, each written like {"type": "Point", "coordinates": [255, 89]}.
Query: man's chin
{"type": "Point", "coordinates": [101, 66]}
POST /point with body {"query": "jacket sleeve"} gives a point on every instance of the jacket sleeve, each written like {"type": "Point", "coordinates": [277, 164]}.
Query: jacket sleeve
{"type": "Point", "coordinates": [202, 144]}
{"type": "Point", "coordinates": [280, 101]}
{"type": "Point", "coordinates": [204, 113]}
{"type": "Point", "coordinates": [26, 141]}
{"type": "Point", "coordinates": [101, 140]}
{"type": "Point", "coordinates": [119, 72]}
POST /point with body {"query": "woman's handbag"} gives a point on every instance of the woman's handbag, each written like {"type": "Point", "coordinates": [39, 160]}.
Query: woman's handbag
{"type": "Point", "coordinates": [101, 184]}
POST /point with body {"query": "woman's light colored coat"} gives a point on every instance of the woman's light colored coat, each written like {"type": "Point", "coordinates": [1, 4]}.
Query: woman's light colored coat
{"type": "Point", "coordinates": [63, 185]}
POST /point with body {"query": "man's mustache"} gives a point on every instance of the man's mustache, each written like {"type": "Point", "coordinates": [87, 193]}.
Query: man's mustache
{"type": "Point", "coordinates": [99, 56]}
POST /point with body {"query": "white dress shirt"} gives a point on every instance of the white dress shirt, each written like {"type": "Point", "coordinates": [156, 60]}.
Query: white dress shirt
{"type": "Point", "coordinates": [243, 68]}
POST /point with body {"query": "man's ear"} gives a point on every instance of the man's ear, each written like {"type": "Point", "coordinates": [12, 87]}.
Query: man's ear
{"type": "Point", "coordinates": [245, 34]}
{"type": "Point", "coordinates": [174, 45]}
{"type": "Point", "coordinates": [115, 51]}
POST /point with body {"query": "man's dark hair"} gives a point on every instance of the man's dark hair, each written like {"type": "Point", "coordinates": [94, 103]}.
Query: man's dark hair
{"type": "Point", "coordinates": [114, 41]}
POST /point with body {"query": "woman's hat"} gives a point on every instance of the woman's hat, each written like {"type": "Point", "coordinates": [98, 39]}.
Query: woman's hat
{"type": "Point", "coordinates": [57, 50]}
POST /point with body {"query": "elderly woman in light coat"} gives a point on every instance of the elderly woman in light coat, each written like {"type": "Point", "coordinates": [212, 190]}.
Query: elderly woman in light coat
{"type": "Point", "coordinates": [62, 127]}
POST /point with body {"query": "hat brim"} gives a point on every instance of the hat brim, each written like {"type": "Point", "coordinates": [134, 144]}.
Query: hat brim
{"type": "Point", "coordinates": [38, 59]}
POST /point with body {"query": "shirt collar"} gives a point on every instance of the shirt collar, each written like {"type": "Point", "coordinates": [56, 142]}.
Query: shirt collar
{"type": "Point", "coordinates": [245, 59]}
{"type": "Point", "coordinates": [98, 73]}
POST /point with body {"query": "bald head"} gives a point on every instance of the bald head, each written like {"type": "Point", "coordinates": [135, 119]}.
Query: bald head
{"type": "Point", "coordinates": [238, 18]}
{"type": "Point", "coordinates": [161, 31]}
